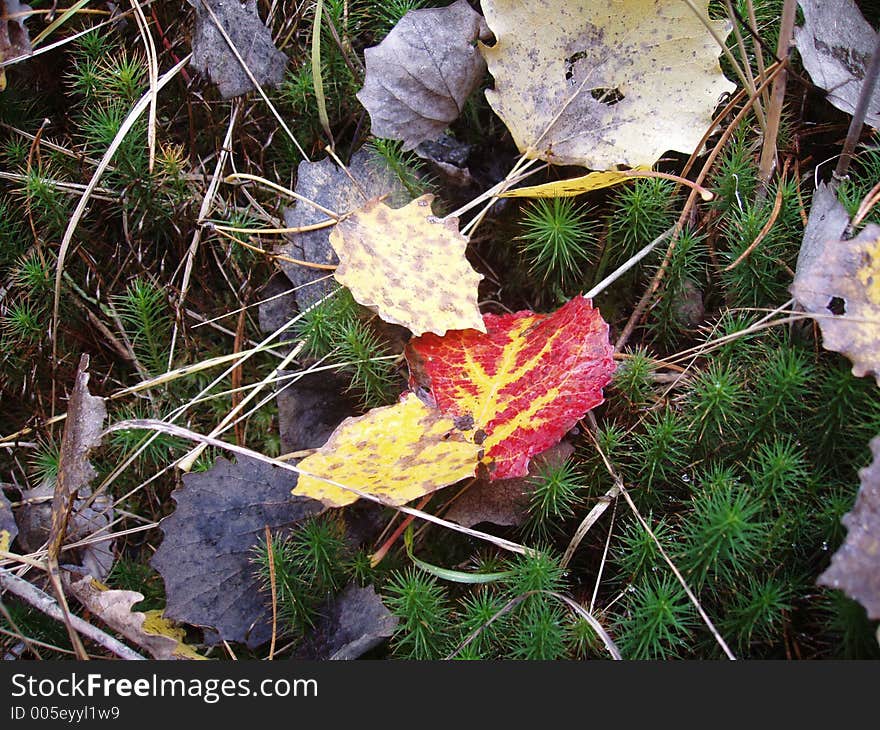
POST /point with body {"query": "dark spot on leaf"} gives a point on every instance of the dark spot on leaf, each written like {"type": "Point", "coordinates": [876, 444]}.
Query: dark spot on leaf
{"type": "Point", "coordinates": [836, 306]}
{"type": "Point", "coordinates": [606, 96]}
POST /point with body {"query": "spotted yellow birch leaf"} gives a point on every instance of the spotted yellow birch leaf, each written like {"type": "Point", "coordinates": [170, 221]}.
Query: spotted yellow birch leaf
{"type": "Point", "coordinates": [603, 84]}
{"type": "Point", "coordinates": [523, 384]}
{"type": "Point", "coordinates": [408, 266]}
{"type": "Point", "coordinates": [840, 283]}
{"type": "Point", "coordinates": [398, 453]}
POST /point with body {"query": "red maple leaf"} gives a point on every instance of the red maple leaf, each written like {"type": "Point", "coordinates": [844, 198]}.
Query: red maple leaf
{"type": "Point", "coordinates": [524, 383]}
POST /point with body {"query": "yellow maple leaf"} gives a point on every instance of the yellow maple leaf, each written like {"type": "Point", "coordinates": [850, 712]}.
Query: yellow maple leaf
{"type": "Point", "coordinates": [398, 453]}
{"type": "Point", "coordinates": [602, 84]}
{"type": "Point", "coordinates": [408, 266]}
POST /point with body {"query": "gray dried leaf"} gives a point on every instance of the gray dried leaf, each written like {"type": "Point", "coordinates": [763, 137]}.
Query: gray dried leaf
{"type": "Point", "coordinates": [836, 44]}
{"type": "Point", "coordinates": [419, 77]}
{"type": "Point", "coordinates": [352, 624]}
{"type": "Point", "coordinates": [505, 501]}
{"type": "Point", "coordinates": [329, 186]}
{"type": "Point", "coordinates": [855, 567]}
{"type": "Point", "coordinates": [278, 305]}
{"type": "Point", "coordinates": [206, 555]}
{"type": "Point", "coordinates": [827, 222]}
{"type": "Point", "coordinates": [311, 408]}
{"type": "Point", "coordinates": [252, 39]}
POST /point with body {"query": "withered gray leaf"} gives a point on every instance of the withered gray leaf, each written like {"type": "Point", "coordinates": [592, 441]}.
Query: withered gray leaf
{"type": "Point", "coordinates": [206, 555]}
{"type": "Point", "coordinates": [329, 186]}
{"type": "Point", "coordinates": [8, 528]}
{"type": "Point", "coordinates": [252, 39]}
{"type": "Point", "coordinates": [276, 311]}
{"type": "Point", "coordinates": [505, 501]}
{"type": "Point", "coordinates": [311, 408]}
{"type": "Point", "coordinates": [855, 567]}
{"type": "Point", "coordinates": [827, 222]}
{"type": "Point", "coordinates": [836, 44]}
{"type": "Point", "coordinates": [82, 433]}
{"type": "Point", "coordinates": [353, 623]}
{"type": "Point", "coordinates": [420, 75]}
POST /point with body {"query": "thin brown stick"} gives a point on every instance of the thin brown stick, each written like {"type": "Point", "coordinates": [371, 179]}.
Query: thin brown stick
{"type": "Point", "coordinates": [777, 98]}
{"type": "Point", "coordinates": [868, 202]}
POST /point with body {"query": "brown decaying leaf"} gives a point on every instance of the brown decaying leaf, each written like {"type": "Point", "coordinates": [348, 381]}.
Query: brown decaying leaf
{"type": "Point", "coordinates": [855, 567]}
{"type": "Point", "coordinates": [419, 76]}
{"type": "Point", "coordinates": [409, 267]}
{"type": "Point", "coordinates": [329, 186]}
{"type": "Point", "coordinates": [841, 284]}
{"type": "Point", "coordinates": [14, 37]}
{"type": "Point", "coordinates": [82, 433]}
{"type": "Point", "coordinates": [350, 625]}
{"type": "Point", "coordinates": [505, 501]}
{"type": "Point", "coordinates": [251, 38]}
{"type": "Point", "coordinates": [206, 555]}
{"type": "Point", "coordinates": [114, 608]}
{"type": "Point", "coordinates": [603, 84]}
{"type": "Point", "coordinates": [835, 44]}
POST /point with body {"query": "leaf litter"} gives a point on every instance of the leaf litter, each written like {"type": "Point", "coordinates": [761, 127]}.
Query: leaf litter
{"type": "Point", "coordinates": [491, 394]}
